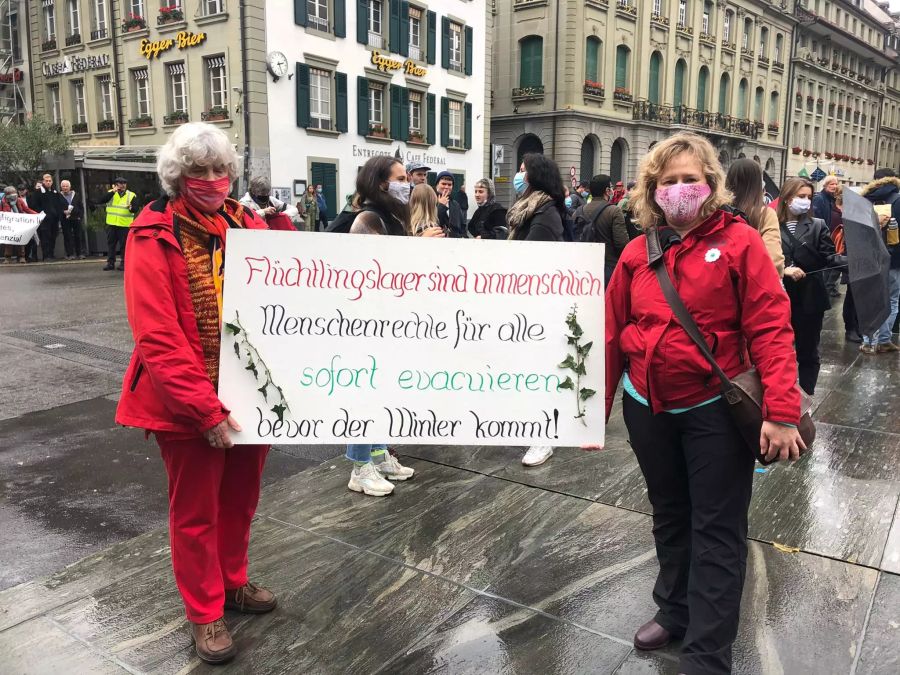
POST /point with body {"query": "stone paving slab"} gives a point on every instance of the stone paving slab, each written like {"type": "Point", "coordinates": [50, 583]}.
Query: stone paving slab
{"type": "Point", "coordinates": [881, 649]}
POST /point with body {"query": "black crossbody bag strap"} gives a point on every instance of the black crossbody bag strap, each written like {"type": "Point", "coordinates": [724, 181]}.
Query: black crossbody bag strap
{"type": "Point", "coordinates": [683, 315]}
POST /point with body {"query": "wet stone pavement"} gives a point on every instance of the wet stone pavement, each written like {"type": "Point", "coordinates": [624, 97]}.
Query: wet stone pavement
{"type": "Point", "coordinates": [479, 565]}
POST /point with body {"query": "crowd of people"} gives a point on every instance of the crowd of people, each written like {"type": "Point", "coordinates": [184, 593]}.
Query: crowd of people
{"type": "Point", "coordinates": [752, 278]}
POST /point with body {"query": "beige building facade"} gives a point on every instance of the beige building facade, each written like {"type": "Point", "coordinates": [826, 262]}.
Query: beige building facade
{"type": "Point", "coordinates": [889, 131]}
{"type": "Point", "coordinates": [596, 83]}
{"type": "Point", "coordinates": [121, 75]}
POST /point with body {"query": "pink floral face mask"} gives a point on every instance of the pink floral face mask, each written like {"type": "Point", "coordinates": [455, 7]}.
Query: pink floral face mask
{"type": "Point", "coordinates": [681, 202]}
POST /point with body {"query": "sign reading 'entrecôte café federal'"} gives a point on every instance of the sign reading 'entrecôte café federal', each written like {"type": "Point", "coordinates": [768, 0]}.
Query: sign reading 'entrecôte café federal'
{"type": "Point", "coordinates": [75, 64]}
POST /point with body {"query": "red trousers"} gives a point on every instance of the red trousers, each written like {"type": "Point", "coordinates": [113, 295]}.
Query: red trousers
{"type": "Point", "coordinates": [213, 495]}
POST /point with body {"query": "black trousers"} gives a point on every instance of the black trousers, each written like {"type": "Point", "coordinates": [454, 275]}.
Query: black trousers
{"type": "Point", "coordinates": [115, 238]}
{"type": "Point", "coordinates": [699, 479]}
{"type": "Point", "coordinates": [73, 237]}
{"type": "Point", "coordinates": [807, 334]}
{"type": "Point", "coordinates": [851, 323]}
{"type": "Point", "coordinates": [48, 231]}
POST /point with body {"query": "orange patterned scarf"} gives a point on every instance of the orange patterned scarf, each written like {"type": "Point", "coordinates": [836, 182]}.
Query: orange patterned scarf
{"type": "Point", "coordinates": [202, 237]}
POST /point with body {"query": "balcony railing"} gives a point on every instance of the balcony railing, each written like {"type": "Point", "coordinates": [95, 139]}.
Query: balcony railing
{"type": "Point", "coordinates": [594, 89]}
{"type": "Point", "coordinates": [48, 45]}
{"type": "Point", "coordinates": [698, 119]}
{"type": "Point", "coordinates": [106, 125]}
{"type": "Point", "coordinates": [729, 45]}
{"type": "Point", "coordinates": [626, 7]}
{"type": "Point", "coordinates": [376, 40]}
{"type": "Point", "coordinates": [99, 34]}
{"type": "Point", "coordinates": [79, 127]}
{"type": "Point", "coordinates": [763, 61]}
{"type": "Point", "coordinates": [660, 19]}
{"type": "Point", "coordinates": [684, 28]}
{"type": "Point", "coordinates": [73, 39]}
{"type": "Point", "coordinates": [708, 38]}
{"type": "Point", "coordinates": [415, 53]}
{"type": "Point", "coordinates": [318, 23]}
{"type": "Point", "coordinates": [457, 66]}
{"type": "Point", "coordinates": [528, 93]}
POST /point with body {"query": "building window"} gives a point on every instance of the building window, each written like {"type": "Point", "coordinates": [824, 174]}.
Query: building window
{"type": "Point", "coordinates": [136, 8]}
{"type": "Point", "coordinates": [100, 29]}
{"type": "Point", "coordinates": [779, 46]}
{"type": "Point", "coordinates": [657, 7]}
{"type": "Point", "coordinates": [49, 20]}
{"type": "Point", "coordinates": [177, 88]}
{"type": "Point", "coordinates": [74, 18]}
{"type": "Point", "coordinates": [456, 48]}
{"type": "Point", "coordinates": [216, 83]}
{"type": "Point", "coordinates": [55, 103]}
{"type": "Point", "coordinates": [456, 124]}
{"type": "Point", "coordinates": [682, 12]}
{"type": "Point", "coordinates": [748, 29]}
{"type": "Point", "coordinates": [707, 10]}
{"type": "Point", "coordinates": [764, 42]}
{"type": "Point", "coordinates": [317, 14]}
{"type": "Point", "coordinates": [726, 29]}
{"type": "Point", "coordinates": [213, 7]}
{"type": "Point", "coordinates": [415, 113]}
{"type": "Point", "coordinates": [375, 14]}
{"type": "Point", "coordinates": [104, 90]}
{"type": "Point", "coordinates": [592, 59]}
{"type": "Point", "coordinates": [319, 99]}
{"type": "Point", "coordinates": [78, 102]}
{"type": "Point", "coordinates": [415, 34]}
{"type": "Point", "coordinates": [623, 55]}
{"type": "Point", "coordinates": [531, 62]}
{"type": "Point", "coordinates": [376, 106]}
{"type": "Point", "coordinates": [141, 82]}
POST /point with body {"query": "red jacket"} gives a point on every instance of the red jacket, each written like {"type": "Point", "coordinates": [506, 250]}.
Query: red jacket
{"type": "Point", "coordinates": [726, 278]}
{"type": "Point", "coordinates": [21, 204]}
{"type": "Point", "coordinates": [166, 387]}
{"type": "Point", "coordinates": [281, 222]}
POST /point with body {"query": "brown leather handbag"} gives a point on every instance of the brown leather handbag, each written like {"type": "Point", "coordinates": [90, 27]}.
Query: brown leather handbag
{"type": "Point", "coordinates": [743, 393]}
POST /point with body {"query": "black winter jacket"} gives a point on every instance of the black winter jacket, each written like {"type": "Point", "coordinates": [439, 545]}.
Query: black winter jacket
{"type": "Point", "coordinates": [544, 225]}
{"type": "Point", "coordinates": [486, 219]}
{"type": "Point", "coordinates": [816, 251]}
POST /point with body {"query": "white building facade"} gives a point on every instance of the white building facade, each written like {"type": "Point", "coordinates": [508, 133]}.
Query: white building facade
{"type": "Point", "coordinates": [374, 77]}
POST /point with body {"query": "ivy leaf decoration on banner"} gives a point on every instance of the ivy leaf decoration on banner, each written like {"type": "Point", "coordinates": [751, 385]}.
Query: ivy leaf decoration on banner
{"type": "Point", "coordinates": [566, 384]}
{"type": "Point", "coordinates": [262, 390]}
{"type": "Point", "coordinates": [234, 329]}
{"type": "Point", "coordinates": [252, 369]}
{"type": "Point", "coordinates": [237, 349]}
{"type": "Point", "coordinates": [279, 409]}
{"type": "Point", "coordinates": [585, 394]}
{"type": "Point", "coordinates": [575, 363]}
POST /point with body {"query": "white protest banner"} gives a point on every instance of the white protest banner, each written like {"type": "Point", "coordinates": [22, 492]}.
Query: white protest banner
{"type": "Point", "coordinates": [17, 229]}
{"type": "Point", "coordinates": [334, 338]}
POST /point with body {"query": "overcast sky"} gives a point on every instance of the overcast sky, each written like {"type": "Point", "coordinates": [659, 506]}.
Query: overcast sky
{"type": "Point", "coordinates": [895, 5]}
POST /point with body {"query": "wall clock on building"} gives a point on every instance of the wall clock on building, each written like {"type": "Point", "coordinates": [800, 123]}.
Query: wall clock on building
{"type": "Point", "coordinates": [277, 65]}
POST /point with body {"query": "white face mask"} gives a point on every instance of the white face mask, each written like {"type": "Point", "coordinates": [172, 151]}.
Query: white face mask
{"type": "Point", "coordinates": [799, 205]}
{"type": "Point", "coordinates": [399, 190]}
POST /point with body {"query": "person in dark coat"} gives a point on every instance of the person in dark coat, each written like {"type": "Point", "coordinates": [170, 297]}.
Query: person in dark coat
{"type": "Point", "coordinates": [808, 249]}
{"type": "Point", "coordinates": [462, 199]}
{"type": "Point", "coordinates": [450, 215]}
{"type": "Point", "coordinates": [72, 221]}
{"type": "Point", "coordinates": [46, 198]}
{"type": "Point", "coordinates": [823, 207]}
{"type": "Point", "coordinates": [603, 223]}
{"type": "Point", "coordinates": [538, 215]}
{"type": "Point", "coordinates": [489, 220]}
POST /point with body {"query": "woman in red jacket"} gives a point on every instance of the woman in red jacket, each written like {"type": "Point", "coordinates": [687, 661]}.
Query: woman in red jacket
{"type": "Point", "coordinates": [173, 294]}
{"type": "Point", "coordinates": [13, 202]}
{"type": "Point", "coordinates": [697, 468]}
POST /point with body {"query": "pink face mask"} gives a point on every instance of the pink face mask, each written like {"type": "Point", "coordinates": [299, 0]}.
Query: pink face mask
{"type": "Point", "coordinates": [681, 202]}
{"type": "Point", "coordinates": [207, 196]}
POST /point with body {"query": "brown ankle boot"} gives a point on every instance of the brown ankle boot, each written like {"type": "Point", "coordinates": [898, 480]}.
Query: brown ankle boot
{"type": "Point", "coordinates": [213, 641]}
{"type": "Point", "coordinates": [250, 599]}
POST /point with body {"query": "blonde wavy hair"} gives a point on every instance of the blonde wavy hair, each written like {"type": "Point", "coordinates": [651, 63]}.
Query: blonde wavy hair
{"type": "Point", "coordinates": [643, 203]}
{"type": "Point", "coordinates": [423, 209]}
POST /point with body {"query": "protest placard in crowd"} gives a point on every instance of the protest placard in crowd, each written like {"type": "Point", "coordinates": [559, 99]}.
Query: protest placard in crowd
{"type": "Point", "coordinates": [359, 339]}
{"type": "Point", "coordinates": [17, 229]}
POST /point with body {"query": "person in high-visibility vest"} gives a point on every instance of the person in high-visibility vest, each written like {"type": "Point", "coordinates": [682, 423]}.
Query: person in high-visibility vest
{"type": "Point", "coordinates": [122, 205]}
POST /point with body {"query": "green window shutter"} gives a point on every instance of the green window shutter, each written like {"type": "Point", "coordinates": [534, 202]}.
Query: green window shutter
{"type": "Point", "coordinates": [655, 62]}
{"type": "Point", "coordinates": [445, 121]}
{"type": "Point", "coordinates": [678, 97]}
{"type": "Point", "coordinates": [592, 60]}
{"type": "Point", "coordinates": [445, 43]}
{"type": "Point", "coordinates": [431, 38]}
{"type": "Point", "coordinates": [622, 66]}
{"type": "Point", "coordinates": [742, 100]}
{"type": "Point", "coordinates": [404, 114]}
{"type": "Point", "coordinates": [404, 28]}
{"type": "Point", "coordinates": [394, 25]}
{"type": "Point", "coordinates": [468, 48]}
{"type": "Point", "coordinates": [723, 94]}
{"type": "Point", "coordinates": [300, 15]}
{"type": "Point", "coordinates": [467, 140]}
{"type": "Point", "coordinates": [362, 106]}
{"type": "Point", "coordinates": [701, 89]}
{"type": "Point", "coordinates": [758, 105]}
{"type": "Point", "coordinates": [531, 62]}
{"type": "Point", "coordinates": [340, 86]}
{"type": "Point", "coordinates": [340, 18]}
{"type": "Point", "coordinates": [432, 119]}
{"type": "Point", "coordinates": [326, 176]}
{"type": "Point", "coordinates": [396, 103]}
{"type": "Point", "coordinates": [362, 22]}
{"type": "Point", "coordinates": [302, 76]}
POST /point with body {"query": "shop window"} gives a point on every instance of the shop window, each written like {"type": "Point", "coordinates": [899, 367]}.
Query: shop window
{"type": "Point", "coordinates": [55, 103]}
{"type": "Point", "coordinates": [74, 18]}
{"type": "Point", "coordinates": [49, 20]}
{"type": "Point", "coordinates": [78, 104]}
{"type": "Point", "coordinates": [104, 95]}
{"type": "Point", "coordinates": [415, 34]}
{"type": "Point", "coordinates": [376, 109]}
{"type": "Point", "coordinates": [319, 99]}
{"type": "Point", "coordinates": [216, 85]}
{"type": "Point", "coordinates": [212, 7]}
{"type": "Point", "coordinates": [140, 79]}
{"type": "Point", "coordinates": [317, 14]}
{"type": "Point", "coordinates": [100, 28]}
{"type": "Point", "coordinates": [375, 23]}
{"type": "Point", "coordinates": [177, 89]}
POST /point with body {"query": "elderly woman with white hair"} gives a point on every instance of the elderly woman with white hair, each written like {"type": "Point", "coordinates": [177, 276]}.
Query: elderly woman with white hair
{"type": "Point", "coordinates": [825, 207]}
{"type": "Point", "coordinates": [173, 295]}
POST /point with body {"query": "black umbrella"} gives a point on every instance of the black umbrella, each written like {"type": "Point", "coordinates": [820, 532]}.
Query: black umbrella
{"type": "Point", "coordinates": [868, 262]}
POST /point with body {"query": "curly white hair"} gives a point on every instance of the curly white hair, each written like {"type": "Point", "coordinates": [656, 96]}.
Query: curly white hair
{"type": "Point", "coordinates": [195, 144]}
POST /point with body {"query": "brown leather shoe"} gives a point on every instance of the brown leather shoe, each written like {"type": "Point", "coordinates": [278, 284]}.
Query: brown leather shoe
{"type": "Point", "coordinates": [886, 348]}
{"type": "Point", "coordinates": [213, 641]}
{"type": "Point", "coordinates": [651, 636]}
{"type": "Point", "coordinates": [250, 599]}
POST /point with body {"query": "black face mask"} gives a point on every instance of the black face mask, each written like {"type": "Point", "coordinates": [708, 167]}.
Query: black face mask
{"type": "Point", "coordinates": [261, 199]}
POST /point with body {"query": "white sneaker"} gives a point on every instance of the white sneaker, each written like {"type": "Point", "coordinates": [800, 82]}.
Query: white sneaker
{"type": "Point", "coordinates": [367, 480]}
{"type": "Point", "coordinates": [391, 469]}
{"type": "Point", "coordinates": [537, 455]}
